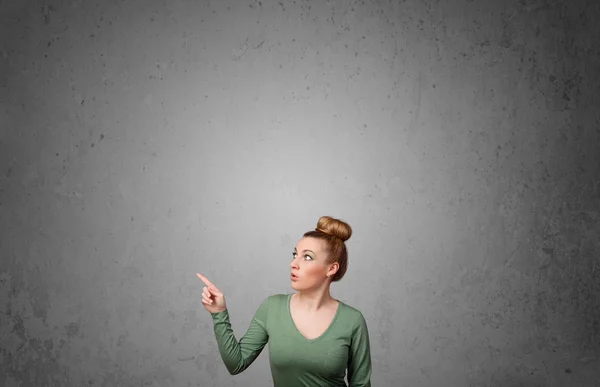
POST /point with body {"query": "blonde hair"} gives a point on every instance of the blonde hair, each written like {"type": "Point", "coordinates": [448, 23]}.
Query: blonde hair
{"type": "Point", "coordinates": [334, 232]}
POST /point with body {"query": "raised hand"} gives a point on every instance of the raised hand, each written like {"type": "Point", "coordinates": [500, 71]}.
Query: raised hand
{"type": "Point", "coordinates": [212, 298]}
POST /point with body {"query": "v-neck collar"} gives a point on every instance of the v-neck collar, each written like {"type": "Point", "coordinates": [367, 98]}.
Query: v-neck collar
{"type": "Point", "coordinates": [333, 320]}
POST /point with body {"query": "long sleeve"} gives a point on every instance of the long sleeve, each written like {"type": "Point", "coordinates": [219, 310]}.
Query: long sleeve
{"type": "Point", "coordinates": [359, 363]}
{"type": "Point", "coordinates": [238, 356]}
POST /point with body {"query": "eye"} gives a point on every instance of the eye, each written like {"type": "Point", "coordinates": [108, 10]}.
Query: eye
{"type": "Point", "coordinates": [306, 256]}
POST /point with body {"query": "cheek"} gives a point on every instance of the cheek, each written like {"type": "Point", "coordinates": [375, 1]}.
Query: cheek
{"type": "Point", "coordinates": [313, 270]}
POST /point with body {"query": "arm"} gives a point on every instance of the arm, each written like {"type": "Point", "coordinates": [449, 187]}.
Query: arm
{"type": "Point", "coordinates": [359, 362]}
{"type": "Point", "coordinates": [238, 356]}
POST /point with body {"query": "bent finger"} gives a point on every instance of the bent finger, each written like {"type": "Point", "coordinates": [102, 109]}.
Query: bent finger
{"type": "Point", "coordinates": [214, 291]}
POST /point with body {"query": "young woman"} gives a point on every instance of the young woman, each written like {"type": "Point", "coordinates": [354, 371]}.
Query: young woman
{"type": "Point", "coordinates": [313, 338]}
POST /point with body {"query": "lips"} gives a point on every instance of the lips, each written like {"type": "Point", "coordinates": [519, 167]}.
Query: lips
{"type": "Point", "coordinates": [293, 276]}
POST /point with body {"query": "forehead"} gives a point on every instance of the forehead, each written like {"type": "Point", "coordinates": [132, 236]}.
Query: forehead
{"type": "Point", "coordinates": [313, 244]}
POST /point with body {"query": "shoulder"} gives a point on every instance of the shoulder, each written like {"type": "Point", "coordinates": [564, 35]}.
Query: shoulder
{"type": "Point", "coordinates": [272, 305]}
{"type": "Point", "coordinates": [274, 300]}
{"type": "Point", "coordinates": [279, 297]}
{"type": "Point", "coordinates": [350, 309]}
{"type": "Point", "coordinates": [353, 314]}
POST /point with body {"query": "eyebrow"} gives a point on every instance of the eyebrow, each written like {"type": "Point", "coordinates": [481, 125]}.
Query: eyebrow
{"type": "Point", "coordinates": [310, 251]}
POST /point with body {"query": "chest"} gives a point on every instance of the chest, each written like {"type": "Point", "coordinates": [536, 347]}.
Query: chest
{"type": "Point", "coordinates": [312, 324]}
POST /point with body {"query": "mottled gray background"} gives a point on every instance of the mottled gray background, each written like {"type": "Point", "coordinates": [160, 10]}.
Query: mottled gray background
{"type": "Point", "coordinates": [142, 141]}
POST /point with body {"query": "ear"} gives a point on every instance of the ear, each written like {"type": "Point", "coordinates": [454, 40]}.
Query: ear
{"type": "Point", "coordinates": [333, 268]}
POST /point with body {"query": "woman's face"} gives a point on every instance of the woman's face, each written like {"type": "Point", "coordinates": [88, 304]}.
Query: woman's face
{"type": "Point", "coordinates": [309, 264]}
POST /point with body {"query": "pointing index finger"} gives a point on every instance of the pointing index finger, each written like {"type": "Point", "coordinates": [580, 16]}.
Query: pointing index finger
{"type": "Point", "coordinates": [204, 279]}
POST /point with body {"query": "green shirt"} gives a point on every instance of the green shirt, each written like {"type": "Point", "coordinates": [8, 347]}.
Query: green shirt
{"type": "Point", "coordinates": [295, 360]}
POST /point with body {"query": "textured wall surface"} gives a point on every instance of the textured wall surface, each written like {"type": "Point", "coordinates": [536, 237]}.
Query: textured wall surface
{"type": "Point", "coordinates": [142, 141]}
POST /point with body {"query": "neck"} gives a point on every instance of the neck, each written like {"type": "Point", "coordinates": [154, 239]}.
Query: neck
{"type": "Point", "coordinates": [314, 300]}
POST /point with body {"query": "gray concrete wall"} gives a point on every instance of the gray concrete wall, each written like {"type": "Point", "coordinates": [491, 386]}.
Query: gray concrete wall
{"type": "Point", "coordinates": [142, 141]}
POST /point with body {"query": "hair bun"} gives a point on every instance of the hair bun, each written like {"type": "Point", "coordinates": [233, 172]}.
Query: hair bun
{"type": "Point", "coordinates": [335, 227]}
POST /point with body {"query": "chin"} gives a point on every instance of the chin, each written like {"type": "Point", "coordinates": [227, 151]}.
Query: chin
{"type": "Point", "coordinates": [299, 288]}
{"type": "Point", "coordinates": [295, 286]}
